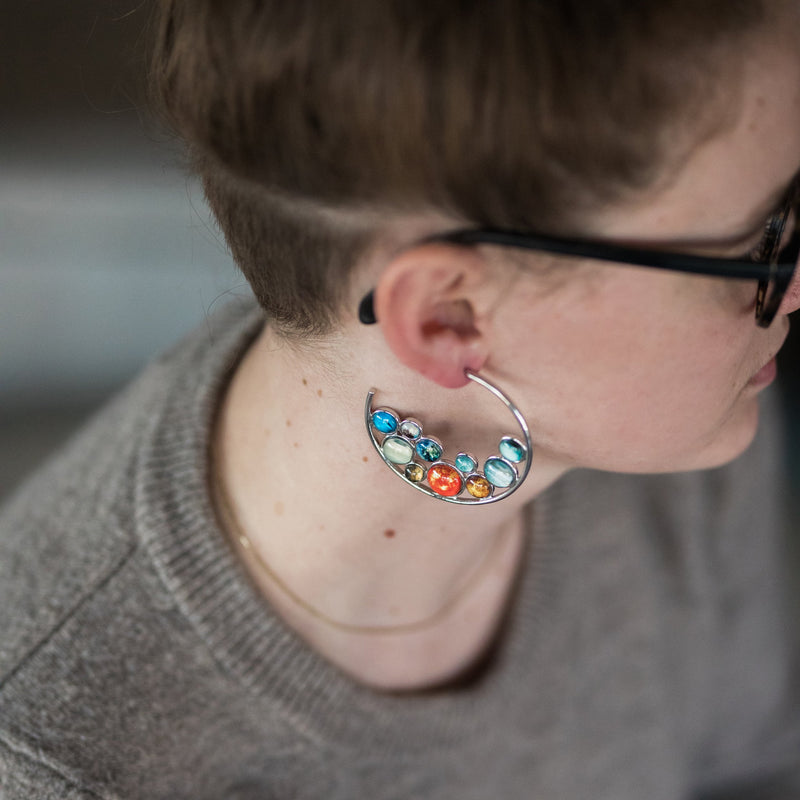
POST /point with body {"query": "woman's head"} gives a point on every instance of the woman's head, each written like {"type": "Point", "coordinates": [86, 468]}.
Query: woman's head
{"type": "Point", "coordinates": [322, 135]}
{"type": "Point", "coordinates": [317, 127]}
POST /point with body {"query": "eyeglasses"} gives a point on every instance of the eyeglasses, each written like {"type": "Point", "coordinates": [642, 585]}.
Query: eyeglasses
{"type": "Point", "coordinates": [772, 263]}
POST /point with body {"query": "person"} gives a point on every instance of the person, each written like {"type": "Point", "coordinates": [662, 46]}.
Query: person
{"type": "Point", "coordinates": [532, 256]}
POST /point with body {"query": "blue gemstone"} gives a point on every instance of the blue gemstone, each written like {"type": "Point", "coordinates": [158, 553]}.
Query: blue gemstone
{"type": "Point", "coordinates": [384, 421]}
{"type": "Point", "coordinates": [499, 473]}
{"type": "Point", "coordinates": [512, 449]}
{"type": "Point", "coordinates": [465, 463]}
{"type": "Point", "coordinates": [429, 449]}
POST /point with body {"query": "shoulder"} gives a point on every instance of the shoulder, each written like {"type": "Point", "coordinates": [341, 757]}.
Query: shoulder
{"type": "Point", "coordinates": [69, 527]}
{"type": "Point", "coordinates": [82, 602]}
{"type": "Point", "coordinates": [87, 622]}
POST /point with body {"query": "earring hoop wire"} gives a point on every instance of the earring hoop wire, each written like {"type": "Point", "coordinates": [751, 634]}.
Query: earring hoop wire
{"type": "Point", "coordinates": [405, 444]}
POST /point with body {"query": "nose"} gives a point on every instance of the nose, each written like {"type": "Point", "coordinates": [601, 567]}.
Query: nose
{"type": "Point", "coordinates": [791, 300]}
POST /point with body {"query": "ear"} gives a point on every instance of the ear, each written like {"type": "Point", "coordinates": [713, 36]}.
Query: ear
{"type": "Point", "coordinates": [428, 303]}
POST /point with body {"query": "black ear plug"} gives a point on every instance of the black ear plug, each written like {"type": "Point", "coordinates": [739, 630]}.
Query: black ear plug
{"type": "Point", "coordinates": [366, 309]}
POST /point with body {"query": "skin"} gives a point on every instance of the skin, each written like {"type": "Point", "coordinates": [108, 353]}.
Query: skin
{"type": "Point", "coordinates": [615, 368]}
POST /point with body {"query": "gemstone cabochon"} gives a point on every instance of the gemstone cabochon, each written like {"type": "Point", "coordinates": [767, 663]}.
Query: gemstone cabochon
{"type": "Point", "coordinates": [478, 486]}
{"type": "Point", "coordinates": [411, 428]}
{"type": "Point", "coordinates": [500, 473]}
{"type": "Point", "coordinates": [512, 449]}
{"type": "Point", "coordinates": [429, 449]}
{"type": "Point", "coordinates": [466, 463]}
{"type": "Point", "coordinates": [384, 421]}
{"type": "Point", "coordinates": [445, 480]}
{"type": "Point", "coordinates": [397, 450]}
{"type": "Point", "coordinates": [415, 473]}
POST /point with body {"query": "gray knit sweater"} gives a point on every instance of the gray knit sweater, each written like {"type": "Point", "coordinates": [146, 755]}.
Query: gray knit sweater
{"type": "Point", "coordinates": [645, 654]}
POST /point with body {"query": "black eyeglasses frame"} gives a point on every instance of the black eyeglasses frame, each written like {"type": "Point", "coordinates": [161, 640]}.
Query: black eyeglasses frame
{"type": "Point", "coordinates": [775, 272]}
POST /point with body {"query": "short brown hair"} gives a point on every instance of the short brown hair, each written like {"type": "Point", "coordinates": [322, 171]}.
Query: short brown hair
{"type": "Point", "coordinates": [520, 113]}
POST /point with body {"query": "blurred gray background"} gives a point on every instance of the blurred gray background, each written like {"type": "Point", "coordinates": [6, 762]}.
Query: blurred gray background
{"type": "Point", "coordinates": [107, 252]}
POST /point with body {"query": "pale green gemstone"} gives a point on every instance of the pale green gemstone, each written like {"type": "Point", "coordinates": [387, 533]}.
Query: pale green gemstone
{"type": "Point", "coordinates": [397, 450]}
{"type": "Point", "coordinates": [512, 449]}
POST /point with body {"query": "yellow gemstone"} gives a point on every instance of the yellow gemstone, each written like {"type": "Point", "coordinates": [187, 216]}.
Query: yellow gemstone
{"type": "Point", "coordinates": [414, 472]}
{"type": "Point", "coordinates": [478, 486]}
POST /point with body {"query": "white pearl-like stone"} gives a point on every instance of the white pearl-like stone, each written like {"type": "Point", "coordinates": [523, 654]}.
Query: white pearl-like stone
{"type": "Point", "coordinates": [397, 450]}
{"type": "Point", "coordinates": [411, 428]}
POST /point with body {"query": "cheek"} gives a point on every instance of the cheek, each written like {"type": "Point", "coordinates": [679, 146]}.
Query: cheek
{"type": "Point", "coordinates": [637, 386]}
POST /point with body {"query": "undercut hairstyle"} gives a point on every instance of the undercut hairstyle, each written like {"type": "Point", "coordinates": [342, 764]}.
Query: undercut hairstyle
{"type": "Point", "coordinates": [312, 125]}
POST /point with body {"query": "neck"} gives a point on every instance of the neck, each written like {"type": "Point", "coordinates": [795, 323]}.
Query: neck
{"type": "Point", "coordinates": [371, 572]}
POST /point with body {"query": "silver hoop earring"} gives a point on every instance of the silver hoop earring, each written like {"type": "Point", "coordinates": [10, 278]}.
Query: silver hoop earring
{"type": "Point", "coordinates": [418, 458]}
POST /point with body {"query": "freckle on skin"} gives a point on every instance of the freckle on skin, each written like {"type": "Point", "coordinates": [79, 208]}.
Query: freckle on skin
{"type": "Point", "coordinates": [288, 423]}
{"type": "Point", "coordinates": [365, 459]}
{"type": "Point", "coordinates": [305, 382]}
{"type": "Point", "coordinates": [389, 533]}
{"type": "Point", "coordinates": [297, 444]}
{"type": "Point", "coordinates": [279, 509]}
{"type": "Point", "coordinates": [319, 392]}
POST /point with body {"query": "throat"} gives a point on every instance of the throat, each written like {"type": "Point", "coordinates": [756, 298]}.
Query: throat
{"type": "Point", "coordinates": [381, 643]}
{"type": "Point", "coordinates": [400, 591]}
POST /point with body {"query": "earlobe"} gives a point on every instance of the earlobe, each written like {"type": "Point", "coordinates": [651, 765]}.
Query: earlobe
{"type": "Point", "coordinates": [791, 300]}
{"type": "Point", "coordinates": [428, 308]}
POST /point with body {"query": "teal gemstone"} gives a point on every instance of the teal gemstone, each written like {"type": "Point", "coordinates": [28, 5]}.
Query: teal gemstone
{"type": "Point", "coordinates": [429, 449]}
{"type": "Point", "coordinates": [512, 449]}
{"type": "Point", "coordinates": [499, 472]}
{"type": "Point", "coordinates": [397, 450]}
{"type": "Point", "coordinates": [384, 421]}
{"type": "Point", "coordinates": [465, 463]}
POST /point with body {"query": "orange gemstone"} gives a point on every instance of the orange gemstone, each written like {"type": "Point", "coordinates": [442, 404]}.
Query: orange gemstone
{"type": "Point", "coordinates": [444, 480]}
{"type": "Point", "coordinates": [478, 486]}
